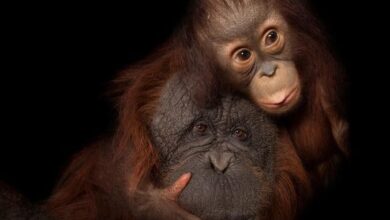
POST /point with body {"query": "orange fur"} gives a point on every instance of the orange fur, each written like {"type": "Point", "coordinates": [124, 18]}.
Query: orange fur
{"type": "Point", "coordinates": [313, 139]}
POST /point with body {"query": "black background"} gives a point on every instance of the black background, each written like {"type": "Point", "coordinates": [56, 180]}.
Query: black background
{"type": "Point", "coordinates": [57, 60]}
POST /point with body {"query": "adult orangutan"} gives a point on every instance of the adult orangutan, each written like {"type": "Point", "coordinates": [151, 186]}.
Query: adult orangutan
{"type": "Point", "coordinates": [228, 146]}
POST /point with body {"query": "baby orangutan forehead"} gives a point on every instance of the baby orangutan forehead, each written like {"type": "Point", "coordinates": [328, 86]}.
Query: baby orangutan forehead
{"type": "Point", "coordinates": [230, 19]}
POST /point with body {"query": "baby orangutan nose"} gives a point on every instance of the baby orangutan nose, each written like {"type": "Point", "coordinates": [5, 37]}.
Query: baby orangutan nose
{"type": "Point", "coordinates": [220, 161]}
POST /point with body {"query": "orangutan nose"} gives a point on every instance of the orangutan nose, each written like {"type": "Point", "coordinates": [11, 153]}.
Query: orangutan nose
{"type": "Point", "coordinates": [268, 69]}
{"type": "Point", "coordinates": [220, 161]}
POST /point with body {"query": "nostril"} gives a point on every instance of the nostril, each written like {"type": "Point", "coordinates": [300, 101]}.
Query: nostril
{"type": "Point", "coordinates": [220, 161]}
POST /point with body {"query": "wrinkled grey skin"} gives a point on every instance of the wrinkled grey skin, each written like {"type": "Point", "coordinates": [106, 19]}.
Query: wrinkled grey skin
{"type": "Point", "coordinates": [231, 178]}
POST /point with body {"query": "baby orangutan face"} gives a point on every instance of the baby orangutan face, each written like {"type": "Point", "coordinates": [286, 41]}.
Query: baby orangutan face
{"type": "Point", "coordinates": [253, 45]}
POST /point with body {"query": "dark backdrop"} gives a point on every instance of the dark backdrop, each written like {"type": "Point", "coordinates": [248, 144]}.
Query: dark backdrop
{"type": "Point", "coordinates": [58, 59]}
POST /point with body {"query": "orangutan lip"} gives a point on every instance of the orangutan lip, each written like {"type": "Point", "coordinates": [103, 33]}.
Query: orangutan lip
{"type": "Point", "coordinates": [285, 101]}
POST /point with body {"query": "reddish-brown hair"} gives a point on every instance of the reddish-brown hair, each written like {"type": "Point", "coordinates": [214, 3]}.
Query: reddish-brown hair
{"type": "Point", "coordinates": [312, 139]}
{"type": "Point", "coordinates": [138, 88]}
